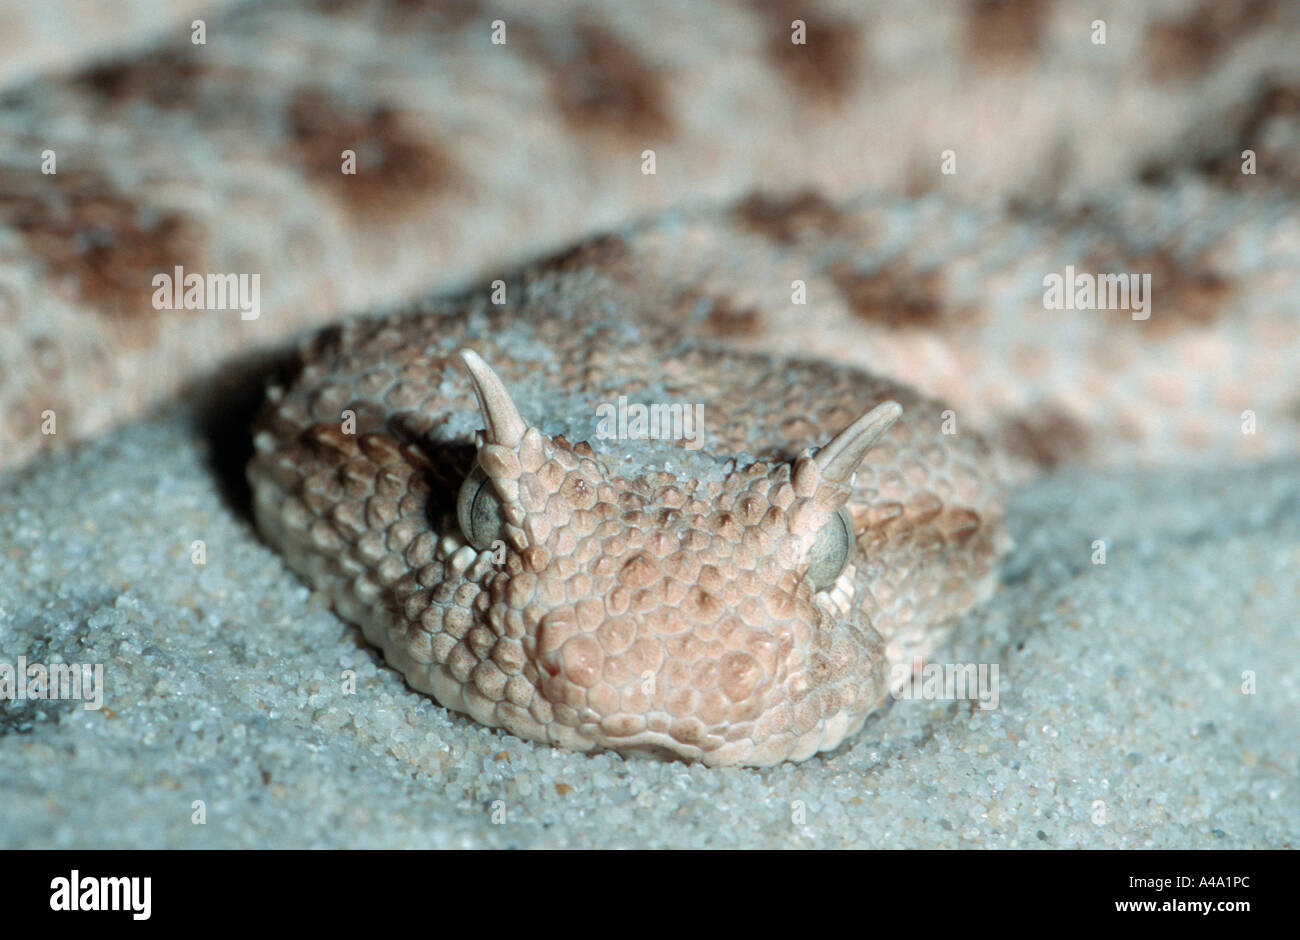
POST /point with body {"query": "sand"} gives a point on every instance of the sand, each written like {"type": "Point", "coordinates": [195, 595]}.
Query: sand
{"type": "Point", "coordinates": [1152, 701]}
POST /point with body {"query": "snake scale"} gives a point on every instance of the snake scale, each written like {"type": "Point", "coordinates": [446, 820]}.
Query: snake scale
{"type": "Point", "coordinates": [871, 373]}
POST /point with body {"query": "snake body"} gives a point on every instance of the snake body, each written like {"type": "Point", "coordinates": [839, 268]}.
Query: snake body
{"type": "Point", "coordinates": [669, 595]}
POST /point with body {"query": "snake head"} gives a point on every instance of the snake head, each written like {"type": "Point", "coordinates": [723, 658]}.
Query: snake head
{"type": "Point", "coordinates": [704, 619]}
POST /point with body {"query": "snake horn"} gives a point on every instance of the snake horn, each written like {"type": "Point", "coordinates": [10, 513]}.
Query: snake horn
{"type": "Point", "coordinates": [505, 426]}
{"type": "Point", "coordinates": [839, 458]}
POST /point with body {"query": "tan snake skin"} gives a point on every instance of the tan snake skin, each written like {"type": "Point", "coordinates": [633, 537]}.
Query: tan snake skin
{"type": "Point", "coordinates": [646, 595]}
{"type": "Point", "coordinates": [649, 596]}
{"type": "Point", "coordinates": [474, 157]}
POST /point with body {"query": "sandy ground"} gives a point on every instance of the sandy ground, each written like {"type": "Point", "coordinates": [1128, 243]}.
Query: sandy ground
{"type": "Point", "coordinates": [1152, 701]}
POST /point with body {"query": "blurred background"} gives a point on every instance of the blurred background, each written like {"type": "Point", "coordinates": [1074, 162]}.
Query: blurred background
{"type": "Point", "coordinates": [211, 134]}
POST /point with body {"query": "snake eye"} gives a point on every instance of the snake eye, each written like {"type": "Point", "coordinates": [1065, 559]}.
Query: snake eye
{"type": "Point", "coordinates": [479, 510]}
{"type": "Point", "coordinates": [830, 553]}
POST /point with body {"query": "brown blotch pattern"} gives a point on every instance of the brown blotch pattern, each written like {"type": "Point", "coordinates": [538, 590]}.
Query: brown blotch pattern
{"type": "Point", "coordinates": [828, 63]}
{"type": "Point", "coordinates": [893, 295]}
{"type": "Point", "coordinates": [1046, 437]}
{"type": "Point", "coordinates": [166, 79]}
{"type": "Point", "coordinates": [1189, 46]}
{"type": "Point", "coordinates": [597, 81]}
{"type": "Point", "coordinates": [725, 317]}
{"type": "Point", "coordinates": [786, 219]}
{"type": "Point", "coordinates": [1005, 29]}
{"type": "Point", "coordinates": [395, 165]}
{"type": "Point", "coordinates": [106, 244]}
{"type": "Point", "coordinates": [1183, 293]}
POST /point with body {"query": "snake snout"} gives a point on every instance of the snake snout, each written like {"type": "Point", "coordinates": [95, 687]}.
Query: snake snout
{"type": "Point", "coordinates": [775, 672]}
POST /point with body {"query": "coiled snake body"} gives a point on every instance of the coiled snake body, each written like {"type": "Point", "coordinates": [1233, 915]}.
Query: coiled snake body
{"type": "Point", "coordinates": [601, 588]}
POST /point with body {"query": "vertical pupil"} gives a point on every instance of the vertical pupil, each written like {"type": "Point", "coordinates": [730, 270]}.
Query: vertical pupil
{"type": "Point", "coordinates": [477, 511]}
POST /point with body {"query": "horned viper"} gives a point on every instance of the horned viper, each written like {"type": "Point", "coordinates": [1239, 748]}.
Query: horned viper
{"type": "Point", "coordinates": [743, 601]}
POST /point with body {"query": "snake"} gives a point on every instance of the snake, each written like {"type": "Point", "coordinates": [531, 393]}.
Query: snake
{"type": "Point", "coordinates": [464, 479]}
{"type": "Point", "coordinates": [829, 258]}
